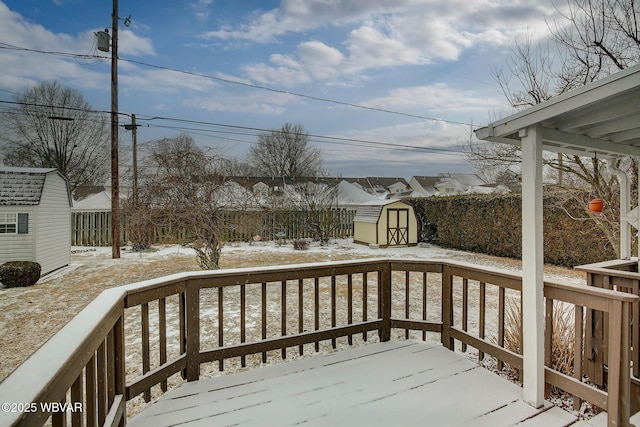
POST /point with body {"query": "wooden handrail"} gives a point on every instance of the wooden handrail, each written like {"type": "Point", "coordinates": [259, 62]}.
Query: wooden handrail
{"type": "Point", "coordinates": [95, 337]}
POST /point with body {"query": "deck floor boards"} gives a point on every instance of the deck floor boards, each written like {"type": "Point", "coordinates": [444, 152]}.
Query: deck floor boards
{"type": "Point", "coordinates": [393, 383]}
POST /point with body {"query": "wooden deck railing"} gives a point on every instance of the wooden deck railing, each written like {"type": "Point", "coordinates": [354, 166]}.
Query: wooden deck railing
{"type": "Point", "coordinates": [145, 338]}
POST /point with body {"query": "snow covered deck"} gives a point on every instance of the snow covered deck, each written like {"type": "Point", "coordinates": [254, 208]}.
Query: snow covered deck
{"type": "Point", "coordinates": [131, 340]}
{"type": "Point", "coordinates": [399, 383]}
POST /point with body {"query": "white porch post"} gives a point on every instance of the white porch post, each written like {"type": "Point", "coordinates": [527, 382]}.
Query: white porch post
{"type": "Point", "coordinates": [532, 267]}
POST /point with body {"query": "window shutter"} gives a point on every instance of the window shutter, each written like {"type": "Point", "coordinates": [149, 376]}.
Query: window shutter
{"type": "Point", "coordinates": [23, 223]}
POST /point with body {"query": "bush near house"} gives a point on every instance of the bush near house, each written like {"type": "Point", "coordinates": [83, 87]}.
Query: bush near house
{"type": "Point", "coordinates": [493, 225]}
{"type": "Point", "coordinates": [18, 274]}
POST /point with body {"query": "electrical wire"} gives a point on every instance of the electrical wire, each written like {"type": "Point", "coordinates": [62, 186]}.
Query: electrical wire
{"type": "Point", "coordinates": [238, 83]}
{"type": "Point", "coordinates": [228, 129]}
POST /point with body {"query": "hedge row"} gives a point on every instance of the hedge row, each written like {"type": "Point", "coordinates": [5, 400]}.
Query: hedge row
{"type": "Point", "coordinates": [493, 225]}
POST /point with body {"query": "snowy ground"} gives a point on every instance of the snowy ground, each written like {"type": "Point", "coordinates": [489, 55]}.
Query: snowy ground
{"type": "Point", "coordinates": [30, 316]}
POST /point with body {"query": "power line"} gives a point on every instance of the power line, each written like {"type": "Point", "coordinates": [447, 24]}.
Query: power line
{"type": "Point", "coordinates": [252, 131]}
{"type": "Point", "coordinates": [296, 94]}
{"type": "Point", "coordinates": [239, 83]}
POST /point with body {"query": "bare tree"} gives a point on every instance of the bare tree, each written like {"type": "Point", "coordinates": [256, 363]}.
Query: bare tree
{"type": "Point", "coordinates": [318, 202]}
{"type": "Point", "coordinates": [180, 189]}
{"type": "Point", "coordinates": [594, 38]}
{"type": "Point", "coordinates": [285, 152]}
{"type": "Point", "coordinates": [597, 38]}
{"type": "Point", "coordinates": [54, 127]}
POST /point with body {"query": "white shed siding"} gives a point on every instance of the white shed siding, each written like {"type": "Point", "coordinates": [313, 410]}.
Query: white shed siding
{"type": "Point", "coordinates": [53, 225]}
{"type": "Point", "coordinates": [18, 247]}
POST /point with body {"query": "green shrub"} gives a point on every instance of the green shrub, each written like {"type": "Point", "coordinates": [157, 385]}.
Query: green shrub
{"type": "Point", "coordinates": [18, 274]}
{"type": "Point", "coordinates": [492, 224]}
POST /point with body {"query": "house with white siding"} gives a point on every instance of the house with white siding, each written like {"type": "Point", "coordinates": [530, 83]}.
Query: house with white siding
{"type": "Point", "coordinates": [35, 217]}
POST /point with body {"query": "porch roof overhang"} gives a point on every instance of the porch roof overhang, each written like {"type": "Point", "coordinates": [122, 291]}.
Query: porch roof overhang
{"type": "Point", "coordinates": [601, 119]}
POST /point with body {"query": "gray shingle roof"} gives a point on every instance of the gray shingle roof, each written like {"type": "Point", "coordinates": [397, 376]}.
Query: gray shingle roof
{"type": "Point", "coordinates": [21, 186]}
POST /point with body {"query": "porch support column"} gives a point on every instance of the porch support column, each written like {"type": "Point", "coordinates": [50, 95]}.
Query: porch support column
{"type": "Point", "coordinates": [532, 267]}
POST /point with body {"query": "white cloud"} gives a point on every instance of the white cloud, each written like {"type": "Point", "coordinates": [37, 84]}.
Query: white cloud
{"type": "Point", "coordinates": [383, 33]}
{"type": "Point", "coordinates": [438, 97]}
{"type": "Point", "coordinates": [163, 81]}
{"type": "Point", "coordinates": [129, 43]}
{"type": "Point", "coordinates": [443, 138]}
{"type": "Point", "coordinates": [260, 103]}
{"type": "Point", "coordinates": [21, 69]}
{"type": "Point", "coordinates": [201, 9]}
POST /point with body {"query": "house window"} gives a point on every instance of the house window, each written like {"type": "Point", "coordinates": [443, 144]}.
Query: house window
{"type": "Point", "coordinates": [14, 223]}
{"type": "Point", "coordinates": [8, 223]}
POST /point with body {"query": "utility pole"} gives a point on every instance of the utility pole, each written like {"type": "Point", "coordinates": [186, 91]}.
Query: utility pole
{"type": "Point", "coordinates": [134, 137]}
{"type": "Point", "coordinates": [115, 186]}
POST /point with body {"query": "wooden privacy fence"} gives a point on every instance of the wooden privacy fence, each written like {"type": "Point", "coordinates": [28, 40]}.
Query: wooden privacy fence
{"type": "Point", "coordinates": [148, 337]}
{"type": "Point", "coordinates": [94, 228]}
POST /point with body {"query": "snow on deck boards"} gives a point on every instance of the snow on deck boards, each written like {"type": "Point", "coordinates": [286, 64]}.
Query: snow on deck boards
{"type": "Point", "coordinates": [393, 383]}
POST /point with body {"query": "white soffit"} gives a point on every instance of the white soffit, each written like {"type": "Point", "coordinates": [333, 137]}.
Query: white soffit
{"type": "Point", "coordinates": [600, 119]}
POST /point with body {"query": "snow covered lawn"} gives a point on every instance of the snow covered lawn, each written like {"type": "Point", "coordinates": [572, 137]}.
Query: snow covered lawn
{"type": "Point", "coordinates": [30, 316]}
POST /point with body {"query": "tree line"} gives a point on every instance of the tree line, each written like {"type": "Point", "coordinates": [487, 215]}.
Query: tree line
{"type": "Point", "coordinates": [52, 126]}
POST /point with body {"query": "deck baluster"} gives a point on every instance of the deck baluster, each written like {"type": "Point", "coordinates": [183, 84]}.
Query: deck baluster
{"type": "Point", "coordinates": [316, 309]}
{"type": "Point", "coordinates": [482, 290]}
{"type": "Point", "coordinates": [90, 385]}
{"type": "Point", "coordinates": [350, 305]}
{"type": "Point", "coordinates": [264, 318]}
{"type": "Point", "coordinates": [465, 308]}
{"type": "Point", "coordinates": [76, 397]}
{"type": "Point", "coordinates": [243, 321]}
{"type": "Point", "coordinates": [424, 302]}
{"type": "Point", "coordinates": [300, 312]}
{"type": "Point", "coordinates": [407, 291]}
{"type": "Point", "coordinates": [221, 325]}
{"type": "Point", "coordinates": [333, 308]}
{"type": "Point", "coordinates": [101, 368]}
{"type": "Point", "coordinates": [548, 338]}
{"type": "Point", "coordinates": [500, 323]}
{"type": "Point", "coordinates": [577, 351]}
{"type": "Point", "coordinates": [283, 314]}
{"type": "Point", "coordinates": [162, 336]}
{"type": "Point", "coordinates": [365, 300]}
{"type": "Point", "coordinates": [146, 361]}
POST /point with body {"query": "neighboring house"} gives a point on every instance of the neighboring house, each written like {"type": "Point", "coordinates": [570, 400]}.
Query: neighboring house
{"type": "Point", "coordinates": [385, 223]}
{"type": "Point", "coordinates": [453, 184]}
{"type": "Point", "coordinates": [425, 185]}
{"type": "Point", "coordinates": [381, 187]}
{"type": "Point", "coordinates": [281, 192]}
{"type": "Point", "coordinates": [35, 217]}
{"type": "Point", "coordinates": [350, 196]}
{"type": "Point", "coordinates": [96, 202]}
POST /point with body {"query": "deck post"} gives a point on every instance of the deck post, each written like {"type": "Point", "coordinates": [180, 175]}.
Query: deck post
{"type": "Point", "coordinates": [385, 301]}
{"type": "Point", "coordinates": [192, 321]}
{"type": "Point", "coordinates": [618, 387]}
{"type": "Point", "coordinates": [532, 267]}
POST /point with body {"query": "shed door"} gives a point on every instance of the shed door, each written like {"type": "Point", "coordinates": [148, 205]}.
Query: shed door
{"type": "Point", "coordinates": [397, 227]}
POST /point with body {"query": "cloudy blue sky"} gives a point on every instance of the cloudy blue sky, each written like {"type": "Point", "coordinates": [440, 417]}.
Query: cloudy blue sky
{"type": "Point", "coordinates": [420, 68]}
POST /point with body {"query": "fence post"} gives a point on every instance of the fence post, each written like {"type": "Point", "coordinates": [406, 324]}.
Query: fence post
{"type": "Point", "coordinates": [384, 280]}
{"type": "Point", "coordinates": [192, 326]}
{"type": "Point", "coordinates": [447, 307]}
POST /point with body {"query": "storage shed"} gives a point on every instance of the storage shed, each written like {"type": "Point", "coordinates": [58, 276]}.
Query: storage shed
{"type": "Point", "coordinates": [385, 223]}
{"type": "Point", "coordinates": [35, 217]}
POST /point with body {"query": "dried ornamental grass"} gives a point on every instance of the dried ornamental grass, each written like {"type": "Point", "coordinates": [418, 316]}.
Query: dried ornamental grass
{"type": "Point", "coordinates": [563, 339]}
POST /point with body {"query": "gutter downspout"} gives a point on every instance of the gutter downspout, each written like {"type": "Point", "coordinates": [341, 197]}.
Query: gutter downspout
{"type": "Point", "coordinates": [625, 196]}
